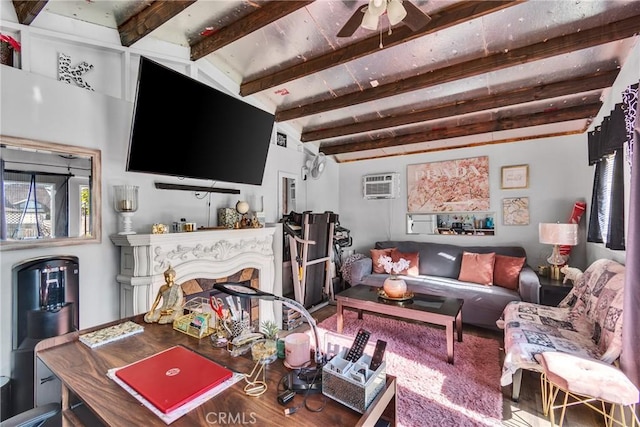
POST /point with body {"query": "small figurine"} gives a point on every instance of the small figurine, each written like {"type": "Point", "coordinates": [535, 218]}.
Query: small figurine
{"type": "Point", "coordinates": [159, 229]}
{"type": "Point", "coordinates": [571, 273]}
{"type": "Point", "coordinates": [172, 299]}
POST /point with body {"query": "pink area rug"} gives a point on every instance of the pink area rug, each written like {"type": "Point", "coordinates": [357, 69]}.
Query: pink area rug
{"type": "Point", "coordinates": [432, 392]}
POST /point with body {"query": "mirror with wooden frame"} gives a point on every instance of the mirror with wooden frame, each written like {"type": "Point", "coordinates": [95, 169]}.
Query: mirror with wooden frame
{"type": "Point", "coordinates": [50, 192]}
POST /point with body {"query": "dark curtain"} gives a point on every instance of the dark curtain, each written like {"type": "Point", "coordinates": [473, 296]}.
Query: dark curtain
{"type": "Point", "coordinates": [3, 214]}
{"type": "Point", "coordinates": [630, 356]}
{"type": "Point", "coordinates": [606, 143]}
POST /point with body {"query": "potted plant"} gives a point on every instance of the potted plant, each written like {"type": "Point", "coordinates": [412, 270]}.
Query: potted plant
{"type": "Point", "coordinates": [7, 45]}
{"type": "Point", "coordinates": [266, 350]}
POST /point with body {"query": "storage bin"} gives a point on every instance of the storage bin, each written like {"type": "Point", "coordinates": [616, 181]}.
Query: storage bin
{"type": "Point", "coordinates": [340, 381]}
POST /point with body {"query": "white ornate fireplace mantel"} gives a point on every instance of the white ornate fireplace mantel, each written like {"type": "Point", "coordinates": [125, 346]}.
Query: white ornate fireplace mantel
{"type": "Point", "coordinates": [206, 254]}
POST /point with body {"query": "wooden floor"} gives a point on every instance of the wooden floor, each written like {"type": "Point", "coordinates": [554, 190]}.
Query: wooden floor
{"type": "Point", "coordinates": [528, 410]}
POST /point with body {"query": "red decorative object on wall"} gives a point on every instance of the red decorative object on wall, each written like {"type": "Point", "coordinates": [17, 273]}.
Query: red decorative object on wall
{"type": "Point", "coordinates": [576, 215]}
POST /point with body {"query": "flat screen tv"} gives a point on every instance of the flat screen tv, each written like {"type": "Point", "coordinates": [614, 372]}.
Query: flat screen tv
{"type": "Point", "coordinates": [182, 127]}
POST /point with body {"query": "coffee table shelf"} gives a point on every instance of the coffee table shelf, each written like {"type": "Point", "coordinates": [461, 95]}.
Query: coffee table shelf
{"type": "Point", "coordinates": [431, 309]}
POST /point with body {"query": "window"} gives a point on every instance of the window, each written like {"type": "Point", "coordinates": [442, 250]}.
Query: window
{"type": "Point", "coordinates": [606, 223]}
{"type": "Point", "coordinates": [35, 205]}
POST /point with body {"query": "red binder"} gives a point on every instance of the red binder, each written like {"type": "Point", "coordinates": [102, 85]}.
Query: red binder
{"type": "Point", "coordinates": [173, 377]}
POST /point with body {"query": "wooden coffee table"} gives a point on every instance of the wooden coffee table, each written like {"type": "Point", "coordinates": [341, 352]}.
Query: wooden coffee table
{"type": "Point", "coordinates": [432, 309]}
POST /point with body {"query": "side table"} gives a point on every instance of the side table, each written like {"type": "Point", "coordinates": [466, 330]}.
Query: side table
{"type": "Point", "coordinates": [553, 291]}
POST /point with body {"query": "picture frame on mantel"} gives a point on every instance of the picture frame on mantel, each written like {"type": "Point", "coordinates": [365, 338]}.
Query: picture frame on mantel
{"type": "Point", "coordinates": [514, 177]}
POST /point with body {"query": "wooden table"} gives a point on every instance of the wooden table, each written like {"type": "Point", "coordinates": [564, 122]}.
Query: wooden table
{"type": "Point", "coordinates": [432, 309]}
{"type": "Point", "coordinates": [82, 371]}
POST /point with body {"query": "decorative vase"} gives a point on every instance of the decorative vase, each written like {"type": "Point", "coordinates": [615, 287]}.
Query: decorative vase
{"type": "Point", "coordinates": [394, 287]}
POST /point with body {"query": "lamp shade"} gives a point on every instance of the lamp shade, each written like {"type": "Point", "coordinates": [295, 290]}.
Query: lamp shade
{"type": "Point", "coordinates": [558, 234]}
{"type": "Point", "coordinates": [369, 21]}
{"type": "Point", "coordinates": [396, 12]}
{"type": "Point", "coordinates": [377, 7]}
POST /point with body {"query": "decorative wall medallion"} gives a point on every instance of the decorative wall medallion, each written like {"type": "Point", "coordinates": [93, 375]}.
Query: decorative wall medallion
{"type": "Point", "coordinates": [68, 74]}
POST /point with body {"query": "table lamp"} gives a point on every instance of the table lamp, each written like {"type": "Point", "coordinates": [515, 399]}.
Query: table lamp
{"type": "Point", "coordinates": [125, 202]}
{"type": "Point", "coordinates": [313, 378]}
{"type": "Point", "coordinates": [557, 234]}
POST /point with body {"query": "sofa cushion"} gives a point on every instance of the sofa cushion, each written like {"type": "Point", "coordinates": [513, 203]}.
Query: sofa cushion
{"type": "Point", "coordinates": [375, 257]}
{"type": "Point", "coordinates": [414, 262]}
{"type": "Point", "coordinates": [506, 271]}
{"type": "Point", "coordinates": [444, 260]}
{"type": "Point", "coordinates": [477, 268]}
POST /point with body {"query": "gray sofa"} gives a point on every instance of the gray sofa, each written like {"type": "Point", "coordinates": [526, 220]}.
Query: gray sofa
{"type": "Point", "coordinates": [439, 269]}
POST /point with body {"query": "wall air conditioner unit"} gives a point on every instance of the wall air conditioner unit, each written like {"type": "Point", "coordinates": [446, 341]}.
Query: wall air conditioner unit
{"type": "Point", "coordinates": [381, 186]}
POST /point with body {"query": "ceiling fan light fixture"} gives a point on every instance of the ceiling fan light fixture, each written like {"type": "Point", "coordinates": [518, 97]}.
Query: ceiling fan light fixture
{"type": "Point", "coordinates": [396, 12]}
{"type": "Point", "coordinates": [376, 8]}
{"type": "Point", "coordinates": [369, 21]}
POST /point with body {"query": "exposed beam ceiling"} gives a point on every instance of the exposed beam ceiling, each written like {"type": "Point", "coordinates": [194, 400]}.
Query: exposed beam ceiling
{"type": "Point", "coordinates": [154, 15]}
{"type": "Point", "coordinates": [27, 10]}
{"type": "Point", "coordinates": [479, 72]}
{"type": "Point", "coordinates": [599, 80]}
{"type": "Point", "coordinates": [506, 123]}
{"type": "Point", "coordinates": [544, 49]}
{"type": "Point", "coordinates": [264, 15]}
{"type": "Point", "coordinates": [453, 15]}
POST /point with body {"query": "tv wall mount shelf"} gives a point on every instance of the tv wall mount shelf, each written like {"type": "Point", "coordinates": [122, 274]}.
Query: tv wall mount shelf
{"type": "Point", "coordinates": [167, 186]}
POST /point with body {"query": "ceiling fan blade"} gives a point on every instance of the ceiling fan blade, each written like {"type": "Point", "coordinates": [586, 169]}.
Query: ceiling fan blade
{"type": "Point", "coordinates": [352, 24]}
{"type": "Point", "coordinates": [415, 19]}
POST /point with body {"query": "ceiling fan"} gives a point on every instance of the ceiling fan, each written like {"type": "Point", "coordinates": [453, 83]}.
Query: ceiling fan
{"type": "Point", "coordinates": [397, 11]}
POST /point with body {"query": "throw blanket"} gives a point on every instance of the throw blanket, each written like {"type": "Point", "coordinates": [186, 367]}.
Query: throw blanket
{"type": "Point", "coordinates": [346, 266]}
{"type": "Point", "coordinates": [587, 323]}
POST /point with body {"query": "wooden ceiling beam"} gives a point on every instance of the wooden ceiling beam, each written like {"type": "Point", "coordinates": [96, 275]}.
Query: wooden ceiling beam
{"type": "Point", "coordinates": [263, 16]}
{"type": "Point", "coordinates": [583, 84]}
{"type": "Point", "coordinates": [500, 124]}
{"type": "Point", "coordinates": [148, 19]}
{"type": "Point", "coordinates": [557, 46]}
{"type": "Point", "coordinates": [27, 10]}
{"type": "Point", "coordinates": [453, 15]}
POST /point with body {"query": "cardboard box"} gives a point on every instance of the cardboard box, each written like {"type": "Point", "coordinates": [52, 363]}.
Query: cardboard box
{"type": "Point", "coordinates": [342, 381]}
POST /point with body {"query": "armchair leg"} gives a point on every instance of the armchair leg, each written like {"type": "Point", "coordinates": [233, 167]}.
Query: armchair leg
{"type": "Point", "coordinates": [517, 381]}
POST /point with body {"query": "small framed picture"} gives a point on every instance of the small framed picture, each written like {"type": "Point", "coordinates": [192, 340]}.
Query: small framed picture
{"type": "Point", "coordinates": [281, 139]}
{"type": "Point", "coordinates": [516, 176]}
{"type": "Point", "coordinates": [515, 211]}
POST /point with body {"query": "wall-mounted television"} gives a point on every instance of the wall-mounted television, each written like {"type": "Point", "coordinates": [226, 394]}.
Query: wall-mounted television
{"type": "Point", "coordinates": [182, 127]}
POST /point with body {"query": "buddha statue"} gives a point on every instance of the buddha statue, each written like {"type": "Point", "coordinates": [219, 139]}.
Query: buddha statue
{"type": "Point", "coordinates": [172, 299]}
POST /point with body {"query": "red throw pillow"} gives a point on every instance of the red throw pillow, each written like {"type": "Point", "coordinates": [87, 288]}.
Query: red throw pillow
{"type": "Point", "coordinates": [375, 257]}
{"type": "Point", "coordinates": [506, 271]}
{"type": "Point", "coordinates": [477, 268]}
{"type": "Point", "coordinates": [412, 257]}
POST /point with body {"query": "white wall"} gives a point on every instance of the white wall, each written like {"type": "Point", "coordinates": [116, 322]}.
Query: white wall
{"type": "Point", "coordinates": [39, 107]}
{"type": "Point", "coordinates": [558, 177]}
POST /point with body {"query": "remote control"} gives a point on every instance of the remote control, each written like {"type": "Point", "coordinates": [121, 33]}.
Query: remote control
{"type": "Point", "coordinates": [378, 354]}
{"type": "Point", "coordinates": [357, 348]}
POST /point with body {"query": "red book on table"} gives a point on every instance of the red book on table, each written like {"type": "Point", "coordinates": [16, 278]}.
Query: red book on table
{"type": "Point", "coordinates": [173, 377]}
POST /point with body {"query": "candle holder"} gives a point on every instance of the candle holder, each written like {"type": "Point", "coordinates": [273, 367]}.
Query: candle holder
{"type": "Point", "coordinates": [125, 202]}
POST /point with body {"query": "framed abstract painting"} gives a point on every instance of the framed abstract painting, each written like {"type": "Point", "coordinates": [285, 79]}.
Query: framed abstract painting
{"type": "Point", "coordinates": [460, 185]}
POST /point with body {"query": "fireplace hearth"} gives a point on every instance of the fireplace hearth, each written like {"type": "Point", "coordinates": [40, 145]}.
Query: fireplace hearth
{"type": "Point", "coordinates": [198, 256]}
